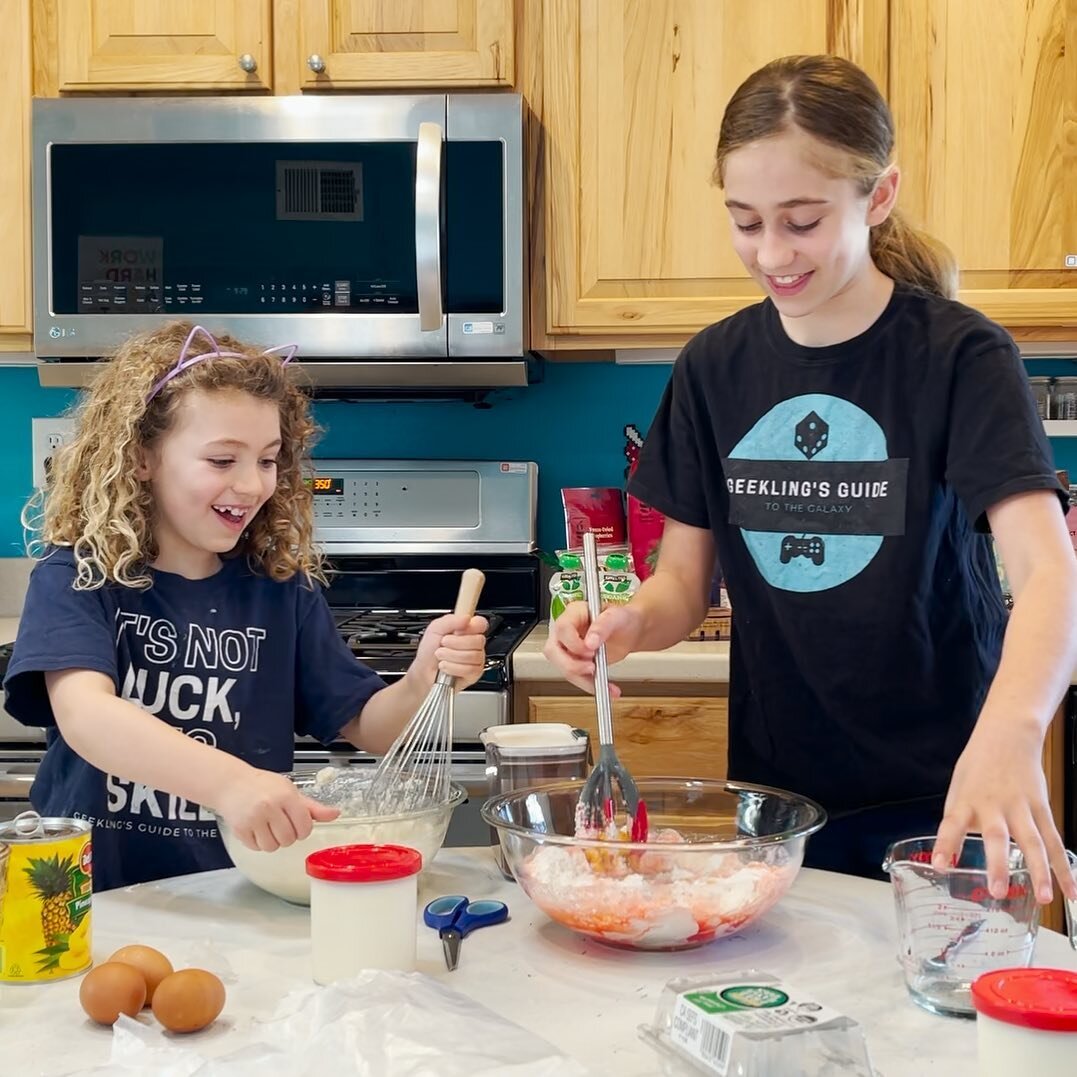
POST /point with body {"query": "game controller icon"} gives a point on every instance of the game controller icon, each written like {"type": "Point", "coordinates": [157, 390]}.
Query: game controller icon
{"type": "Point", "coordinates": [812, 548]}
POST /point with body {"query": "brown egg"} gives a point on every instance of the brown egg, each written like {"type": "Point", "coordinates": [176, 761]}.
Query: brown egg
{"type": "Point", "coordinates": [188, 1000]}
{"type": "Point", "coordinates": [111, 989]}
{"type": "Point", "coordinates": [153, 965]}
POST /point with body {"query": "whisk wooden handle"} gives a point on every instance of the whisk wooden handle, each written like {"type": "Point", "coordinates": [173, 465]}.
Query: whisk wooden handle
{"type": "Point", "coordinates": [470, 588]}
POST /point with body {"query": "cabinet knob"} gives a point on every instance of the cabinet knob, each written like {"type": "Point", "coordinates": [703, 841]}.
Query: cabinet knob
{"type": "Point", "coordinates": [315, 63]}
{"type": "Point", "coordinates": [248, 63]}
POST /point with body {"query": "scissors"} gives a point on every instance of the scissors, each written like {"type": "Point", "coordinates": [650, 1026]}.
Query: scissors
{"type": "Point", "coordinates": [455, 916]}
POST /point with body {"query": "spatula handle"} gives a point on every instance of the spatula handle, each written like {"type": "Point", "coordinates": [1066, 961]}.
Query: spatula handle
{"type": "Point", "coordinates": [467, 599]}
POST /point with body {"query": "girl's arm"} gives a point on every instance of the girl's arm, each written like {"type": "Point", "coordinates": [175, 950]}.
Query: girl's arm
{"type": "Point", "coordinates": [264, 809]}
{"type": "Point", "coordinates": [452, 644]}
{"type": "Point", "coordinates": [998, 785]}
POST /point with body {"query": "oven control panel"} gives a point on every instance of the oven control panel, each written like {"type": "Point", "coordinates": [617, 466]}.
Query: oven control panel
{"type": "Point", "coordinates": [386, 506]}
{"type": "Point", "coordinates": [396, 499]}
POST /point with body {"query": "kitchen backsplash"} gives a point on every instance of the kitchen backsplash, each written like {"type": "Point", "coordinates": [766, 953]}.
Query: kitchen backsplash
{"type": "Point", "coordinates": [570, 424]}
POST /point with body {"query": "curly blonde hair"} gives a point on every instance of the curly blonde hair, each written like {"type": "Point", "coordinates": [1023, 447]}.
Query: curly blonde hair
{"type": "Point", "coordinates": [96, 505]}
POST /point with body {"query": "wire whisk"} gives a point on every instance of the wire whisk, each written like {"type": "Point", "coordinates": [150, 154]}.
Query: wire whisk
{"type": "Point", "coordinates": [416, 770]}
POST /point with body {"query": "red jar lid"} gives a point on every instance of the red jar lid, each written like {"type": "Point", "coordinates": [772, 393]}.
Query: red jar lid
{"type": "Point", "coordinates": [1032, 998]}
{"type": "Point", "coordinates": [364, 863]}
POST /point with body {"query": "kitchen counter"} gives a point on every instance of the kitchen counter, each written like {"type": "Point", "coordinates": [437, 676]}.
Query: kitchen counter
{"type": "Point", "coordinates": [696, 660]}
{"type": "Point", "coordinates": [832, 935]}
{"type": "Point", "coordinates": [683, 663]}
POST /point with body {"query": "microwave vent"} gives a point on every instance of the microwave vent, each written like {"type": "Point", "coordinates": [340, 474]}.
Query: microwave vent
{"type": "Point", "coordinates": [319, 191]}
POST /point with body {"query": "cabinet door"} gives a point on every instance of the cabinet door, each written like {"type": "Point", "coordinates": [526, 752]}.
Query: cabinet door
{"type": "Point", "coordinates": [157, 44]}
{"type": "Point", "coordinates": [985, 123]}
{"type": "Point", "coordinates": [637, 236]}
{"type": "Point", "coordinates": [393, 43]}
{"type": "Point", "coordinates": [661, 735]}
{"type": "Point", "coordinates": [15, 176]}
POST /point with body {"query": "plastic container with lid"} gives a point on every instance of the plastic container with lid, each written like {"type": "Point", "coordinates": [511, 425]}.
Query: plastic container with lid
{"type": "Point", "coordinates": [529, 755]}
{"type": "Point", "coordinates": [1026, 1022]}
{"type": "Point", "coordinates": [363, 909]}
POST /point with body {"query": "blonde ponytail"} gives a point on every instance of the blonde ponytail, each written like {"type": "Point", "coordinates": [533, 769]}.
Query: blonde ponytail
{"type": "Point", "coordinates": [912, 258]}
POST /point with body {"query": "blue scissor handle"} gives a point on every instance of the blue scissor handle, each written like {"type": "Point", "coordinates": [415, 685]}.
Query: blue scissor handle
{"type": "Point", "coordinates": [455, 911]}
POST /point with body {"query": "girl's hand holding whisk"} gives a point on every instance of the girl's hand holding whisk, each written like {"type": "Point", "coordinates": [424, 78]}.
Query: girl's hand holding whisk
{"type": "Point", "coordinates": [452, 644]}
{"type": "Point", "coordinates": [267, 812]}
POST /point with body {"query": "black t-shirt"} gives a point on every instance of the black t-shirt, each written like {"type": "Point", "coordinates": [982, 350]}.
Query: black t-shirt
{"type": "Point", "coordinates": [846, 488]}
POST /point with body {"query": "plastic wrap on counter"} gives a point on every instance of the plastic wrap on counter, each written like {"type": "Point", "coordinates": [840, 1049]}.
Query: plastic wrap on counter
{"type": "Point", "coordinates": [750, 1024]}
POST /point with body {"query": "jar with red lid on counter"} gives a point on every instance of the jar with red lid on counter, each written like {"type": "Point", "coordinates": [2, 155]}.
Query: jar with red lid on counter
{"type": "Point", "coordinates": [1026, 1022]}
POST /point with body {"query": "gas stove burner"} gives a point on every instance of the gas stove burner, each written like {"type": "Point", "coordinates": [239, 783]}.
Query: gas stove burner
{"type": "Point", "coordinates": [399, 630]}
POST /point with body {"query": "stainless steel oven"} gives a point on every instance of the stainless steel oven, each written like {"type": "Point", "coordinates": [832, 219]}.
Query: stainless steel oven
{"type": "Point", "coordinates": [383, 234]}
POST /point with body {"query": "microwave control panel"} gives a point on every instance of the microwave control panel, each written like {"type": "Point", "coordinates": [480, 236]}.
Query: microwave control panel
{"type": "Point", "coordinates": [150, 297]}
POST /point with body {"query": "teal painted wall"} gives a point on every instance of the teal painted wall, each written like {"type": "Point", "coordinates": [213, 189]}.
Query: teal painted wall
{"type": "Point", "coordinates": [570, 424]}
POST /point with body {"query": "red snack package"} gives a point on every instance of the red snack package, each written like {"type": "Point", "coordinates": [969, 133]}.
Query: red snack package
{"type": "Point", "coordinates": [593, 508]}
{"type": "Point", "coordinates": [645, 525]}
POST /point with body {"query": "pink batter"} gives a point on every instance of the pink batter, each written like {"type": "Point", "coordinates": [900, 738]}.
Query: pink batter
{"type": "Point", "coordinates": [661, 899]}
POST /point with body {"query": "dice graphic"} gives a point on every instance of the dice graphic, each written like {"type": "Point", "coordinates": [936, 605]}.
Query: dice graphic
{"type": "Point", "coordinates": [812, 434]}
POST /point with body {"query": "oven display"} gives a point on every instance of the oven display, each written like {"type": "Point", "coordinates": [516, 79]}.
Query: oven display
{"type": "Point", "coordinates": [327, 484]}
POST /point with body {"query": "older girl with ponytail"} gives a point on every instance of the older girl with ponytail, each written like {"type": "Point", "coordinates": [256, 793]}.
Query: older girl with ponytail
{"type": "Point", "coordinates": [846, 448]}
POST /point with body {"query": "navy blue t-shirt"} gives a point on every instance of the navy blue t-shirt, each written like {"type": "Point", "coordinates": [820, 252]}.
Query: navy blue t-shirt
{"type": "Point", "coordinates": [847, 489]}
{"type": "Point", "coordinates": [237, 661]}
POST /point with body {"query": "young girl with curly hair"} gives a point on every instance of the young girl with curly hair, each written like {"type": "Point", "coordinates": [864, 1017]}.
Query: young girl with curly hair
{"type": "Point", "coordinates": [175, 637]}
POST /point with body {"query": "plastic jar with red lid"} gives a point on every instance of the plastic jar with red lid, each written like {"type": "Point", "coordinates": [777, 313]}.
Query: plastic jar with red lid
{"type": "Point", "coordinates": [1026, 1022]}
{"type": "Point", "coordinates": [363, 909]}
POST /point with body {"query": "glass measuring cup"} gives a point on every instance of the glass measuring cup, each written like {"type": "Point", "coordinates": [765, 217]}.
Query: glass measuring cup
{"type": "Point", "coordinates": [950, 928]}
{"type": "Point", "coordinates": [1071, 905]}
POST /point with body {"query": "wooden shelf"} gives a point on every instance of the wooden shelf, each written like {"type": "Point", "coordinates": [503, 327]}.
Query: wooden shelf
{"type": "Point", "coordinates": [1060, 428]}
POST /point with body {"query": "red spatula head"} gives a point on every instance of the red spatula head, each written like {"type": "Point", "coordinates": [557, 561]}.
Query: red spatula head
{"type": "Point", "coordinates": [639, 823]}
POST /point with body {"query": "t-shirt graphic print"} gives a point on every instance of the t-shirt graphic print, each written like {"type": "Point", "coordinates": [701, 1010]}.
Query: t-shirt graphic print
{"type": "Point", "coordinates": [814, 492]}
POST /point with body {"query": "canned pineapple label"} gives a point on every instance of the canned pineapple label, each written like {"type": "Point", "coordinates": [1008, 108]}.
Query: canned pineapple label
{"type": "Point", "coordinates": [45, 897]}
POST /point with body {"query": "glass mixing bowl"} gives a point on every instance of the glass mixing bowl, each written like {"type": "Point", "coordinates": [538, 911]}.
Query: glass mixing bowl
{"type": "Point", "coordinates": [284, 871]}
{"type": "Point", "coordinates": [719, 855]}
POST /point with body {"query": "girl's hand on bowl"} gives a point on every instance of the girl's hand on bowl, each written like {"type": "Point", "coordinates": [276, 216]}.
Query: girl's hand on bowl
{"type": "Point", "coordinates": [265, 811]}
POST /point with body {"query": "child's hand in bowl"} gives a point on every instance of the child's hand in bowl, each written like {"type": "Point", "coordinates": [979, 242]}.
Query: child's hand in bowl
{"type": "Point", "coordinates": [266, 811]}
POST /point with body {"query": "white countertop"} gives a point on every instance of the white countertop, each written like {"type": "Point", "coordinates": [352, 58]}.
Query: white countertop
{"type": "Point", "coordinates": [694, 660]}
{"type": "Point", "coordinates": [832, 935]}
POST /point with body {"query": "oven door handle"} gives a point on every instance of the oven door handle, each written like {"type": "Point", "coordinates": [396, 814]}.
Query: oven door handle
{"type": "Point", "coordinates": [428, 226]}
{"type": "Point", "coordinates": [15, 785]}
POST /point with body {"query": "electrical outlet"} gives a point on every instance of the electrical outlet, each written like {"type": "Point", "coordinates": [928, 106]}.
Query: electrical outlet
{"type": "Point", "coordinates": [47, 435]}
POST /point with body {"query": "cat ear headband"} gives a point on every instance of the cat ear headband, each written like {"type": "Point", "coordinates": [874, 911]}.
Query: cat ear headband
{"type": "Point", "coordinates": [286, 352]}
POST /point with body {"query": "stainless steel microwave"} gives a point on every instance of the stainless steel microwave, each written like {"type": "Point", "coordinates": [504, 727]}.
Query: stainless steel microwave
{"type": "Point", "coordinates": [383, 234]}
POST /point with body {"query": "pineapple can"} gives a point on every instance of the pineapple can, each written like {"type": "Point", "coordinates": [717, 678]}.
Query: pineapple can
{"type": "Point", "coordinates": [46, 880]}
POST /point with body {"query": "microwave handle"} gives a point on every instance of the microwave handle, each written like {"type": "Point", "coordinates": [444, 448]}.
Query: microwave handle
{"type": "Point", "coordinates": [428, 226]}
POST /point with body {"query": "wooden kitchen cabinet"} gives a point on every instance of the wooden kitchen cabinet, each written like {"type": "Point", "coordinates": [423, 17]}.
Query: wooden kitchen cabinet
{"type": "Point", "coordinates": [281, 46]}
{"type": "Point", "coordinates": [656, 735]}
{"type": "Point", "coordinates": [634, 239]}
{"type": "Point", "coordinates": [636, 235]}
{"type": "Point", "coordinates": [15, 76]}
{"type": "Point", "coordinates": [352, 44]}
{"type": "Point", "coordinates": [152, 45]}
{"type": "Point", "coordinates": [987, 128]}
